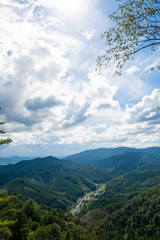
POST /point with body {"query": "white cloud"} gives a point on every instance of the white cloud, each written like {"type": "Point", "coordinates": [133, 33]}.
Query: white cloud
{"type": "Point", "coordinates": [47, 99]}
{"type": "Point", "coordinates": [89, 35]}
{"type": "Point", "coordinates": [132, 70]}
{"type": "Point", "coordinates": [99, 106]}
{"type": "Point", "coordinates": [138, 128]}
{"type": "Point", "coordinates": [146, 110]}
{"type": "Point", "coordinates": [96, 97]}
{"type": "Point", "coordinates": [151, 114]}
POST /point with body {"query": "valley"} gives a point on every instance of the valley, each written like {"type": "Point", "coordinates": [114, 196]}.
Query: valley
{"type": "Point", "coordinates": [80, 120]}
{"type": "Point", "coordinates": [118, 200]}
{"type": "Point", "coordinates": [54, 182]}
{"type": "Point", "coordinates": [89, 197]}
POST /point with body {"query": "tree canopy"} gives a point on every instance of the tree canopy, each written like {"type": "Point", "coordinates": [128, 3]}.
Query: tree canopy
{"type": "Point", "coordinates": [6, 140]}
{"type": "Point", "coordinates": [137, 27]}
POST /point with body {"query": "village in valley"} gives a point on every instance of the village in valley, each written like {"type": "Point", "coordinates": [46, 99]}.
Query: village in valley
{"type": "Point", "coordinates": [89, 197]}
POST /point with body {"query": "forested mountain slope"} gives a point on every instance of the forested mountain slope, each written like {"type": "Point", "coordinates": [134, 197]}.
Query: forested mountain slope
{"type": "Point", "coordinates": [104, 219]}
{"type": "Point", "coordinates": [54, 182]}
{"type": "Point", "coordinates": [24, 219]}
{"type": "Point", "coordinates": [89, 156]}
{"type": "Point", "coordinates": [130, 184]}
{"type": "Point", "coordinates": [39, 164]}
{"type": "Point", "coordinates": [136, 219]}
{"type": "Point", "coordinates": [66, 167]}
{"type": "Point", "coordinates": [52, 189]}
{"type": "Point", "coordinates": [128, 209]}
{"type": "Point", "coordinates": [130, 159]}
{"type": "Point", "coordinates": [135, 168]}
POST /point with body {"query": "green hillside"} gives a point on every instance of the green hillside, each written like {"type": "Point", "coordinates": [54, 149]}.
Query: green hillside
{"type": "Point", "coordinates": [97, 154]}
{"type": "Point", "coordinates": [128, 209]}
{"type": "Point", "coordinates": [128, 158]}
{"type": "Point", "coordinates": [138, 218]}
{"type": "Point", "coordinates": [130, 184]}
{"type": "Point", "coordinates": [24, 219]}
{"type": "Point", "coordinates": [56, 183]}
{"type": "Point", "coordinates": [65, 167]}
{"type": "Point", "coordinates": [104, 219]}
{"type": "Point", "coordinates": [94, 156]}
{"type": "Point", "coordinates": [135, 168]}
{"type": "Point", "coordinates": [52, 189]}
{"type": "Point", "coordinates": [39, 165]}
{"type": "Point", "coordinates": [39, 192]}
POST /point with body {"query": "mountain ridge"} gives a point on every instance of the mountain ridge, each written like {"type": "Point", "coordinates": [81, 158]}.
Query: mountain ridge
{"type": "Point", "coordinates": [124, 156]}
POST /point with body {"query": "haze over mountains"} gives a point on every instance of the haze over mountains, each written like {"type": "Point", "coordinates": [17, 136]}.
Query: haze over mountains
{"type": "Point", "coordinates": [59, 182]}
{"type": "Point", "coordinates": [90, 156]}
{"type": "Point", "coordinates": [13, 159]}
{"type": "Point", "coordinates": [112, 157]}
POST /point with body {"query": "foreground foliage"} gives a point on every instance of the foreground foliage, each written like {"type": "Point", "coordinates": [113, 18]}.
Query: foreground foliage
{"type": "Point", "coordinates": [137, 27]}
{"type": "Point", "coordinates": [6, 140]}
{"type": "Point", "coordinates": [138, 218]}
{"type": "Point", "coordinates": [128, 209]}
{"type": "Point", "coordinates": [104, 219]}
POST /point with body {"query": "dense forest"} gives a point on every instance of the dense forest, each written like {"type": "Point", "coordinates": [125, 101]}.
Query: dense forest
{"type": "Point", "coordinates": [37, 196]}
{"type": "Point", "coordinates": [51, 181]}
{"type": "Point", "coordinates": [105, 218]}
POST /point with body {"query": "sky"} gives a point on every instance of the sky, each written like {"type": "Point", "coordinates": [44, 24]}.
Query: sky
{"type": "Point", "coordinates": [51, 99]}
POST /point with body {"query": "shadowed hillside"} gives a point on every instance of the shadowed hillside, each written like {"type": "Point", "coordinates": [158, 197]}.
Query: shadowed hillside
{"type": "Point", "coordinates": [98, 154]}
{"type": "Point", "coordinates": [54, 182]}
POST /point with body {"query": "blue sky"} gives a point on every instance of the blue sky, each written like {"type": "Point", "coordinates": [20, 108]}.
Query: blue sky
{"type": "Point", "coordinates": [51, 100]}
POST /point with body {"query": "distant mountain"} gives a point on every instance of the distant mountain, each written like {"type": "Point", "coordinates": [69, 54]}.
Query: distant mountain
{"type": "Point", "coordinates": [24, 167]}
{"type": "Point", "coordinates": [13, 159]}
{"type": "Point", "coordinates": [97, 154]}
{"type": "Point", "coordinates": [55, 182]}
{"type": "Point", "coordinates": [120, 156]}
{"type": "Point", "coordinates": [58, 183]}
{"type": "Point", "coordinates": [65, 167]}
{"type": "Point", "coordinates": [101, 153]}
{"type": "Point", "coordinates": [134, 168]}
{"type": "Point", "coordinates": [128, 158]}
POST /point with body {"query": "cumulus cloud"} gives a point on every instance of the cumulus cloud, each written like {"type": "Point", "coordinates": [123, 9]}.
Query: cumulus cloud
{"type": "Point", "coordinates": [100, 94]}
{"type": "Point", "coordinates": [104, 106]}
{"type": "Point", "coordinates": [47, 99]}
{"type": "Point", "coordinates": [151, 114]}
{"type": "Point", "coordinates": [132, 70]}
{"type": "Point", "coordinates": [138, 127]}
{"type": "Point", "coordinates": [146, 110]}
{"type": "Point", "coordinates": [37, 103]}
{"type": "Point", "coordinates": [89, 35]}
{"type": "Point", "coordinates": [77, 117]}
{"type": "Point", "coordinates": [101, 105]}
{"type": "Point", "coordinates": [95, 99]}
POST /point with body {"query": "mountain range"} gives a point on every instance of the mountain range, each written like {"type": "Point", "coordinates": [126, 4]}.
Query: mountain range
{"type": "Point", "coordinates": [113, 157]}
{"type": "Point", "coordinates": [54, 182]}
{"type": "Point", "coordinates": [59, 182]}
{"type": "Point", "coordinates": [129, 208]}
